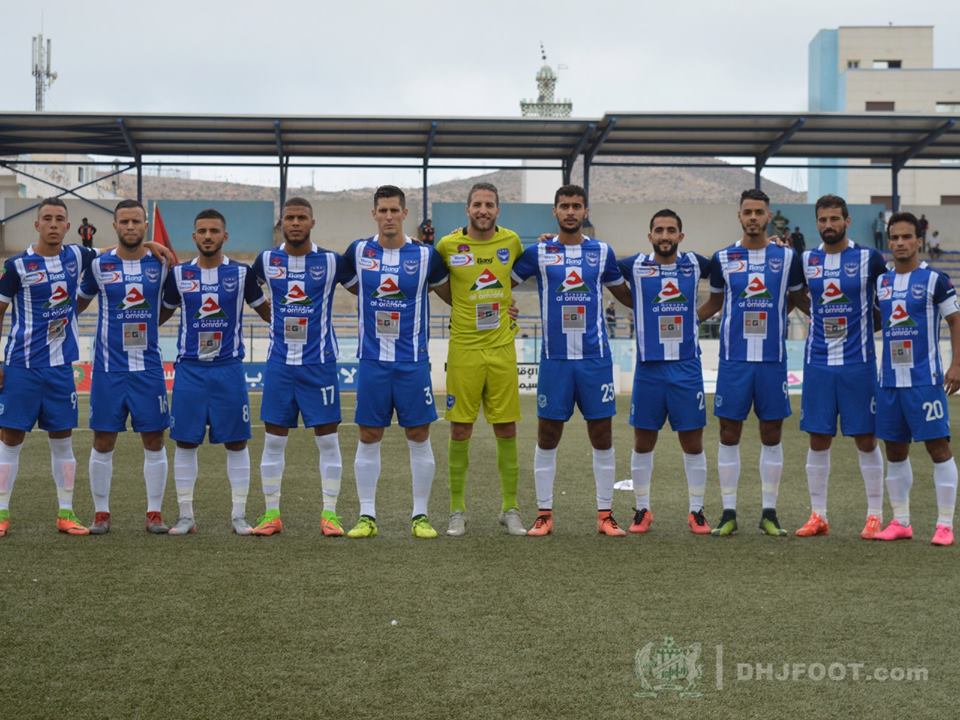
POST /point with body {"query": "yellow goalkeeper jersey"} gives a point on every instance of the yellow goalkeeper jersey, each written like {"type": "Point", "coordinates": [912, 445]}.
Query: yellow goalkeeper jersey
{"type": "Point", "coordinates": [480, 287]}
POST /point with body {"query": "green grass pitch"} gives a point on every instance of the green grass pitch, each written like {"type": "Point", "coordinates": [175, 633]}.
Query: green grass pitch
{"type": "Point", "coordinates": [130, 625]}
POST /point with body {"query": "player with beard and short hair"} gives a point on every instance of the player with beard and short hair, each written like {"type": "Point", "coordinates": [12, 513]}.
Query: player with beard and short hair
{"type": "Point", "coordinates": [913, 388]}
{"type": "Point", "coordinates": [482, 359]}
{"type": "Point", "coordinates": [839, 365]}
{"type": "Point", "coordinates": [575, 364]}
{"type": "Point", "coordinates": [752, 281]}
{"type": "Point", "coordinates": [668, 382]}
{"type": "Point", "coordinates": [301, 376]}
{"type": "Point", "coordinates": [209, 387]}
{"type": "Point", "coordinates": [127, 367]}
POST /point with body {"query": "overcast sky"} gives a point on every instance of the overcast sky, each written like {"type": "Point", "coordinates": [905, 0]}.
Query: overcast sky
{"type": "Point", "coordinates": [432, 58]}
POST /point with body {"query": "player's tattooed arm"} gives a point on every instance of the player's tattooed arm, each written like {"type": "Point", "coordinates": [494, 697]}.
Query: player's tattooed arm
{"type": "Point", "coordinates": [622, 293]}
{"type": "Point", "coordinates": [710, 307]}
{"type": "Point", "coordinates": [951, 379]}
{"type": "Point", "coordinates": [166, 313]}
{"type": "Point", "coordinates": [443, 292]}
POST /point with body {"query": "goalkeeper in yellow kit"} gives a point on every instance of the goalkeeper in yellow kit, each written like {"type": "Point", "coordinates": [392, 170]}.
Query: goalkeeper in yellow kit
{"type": "Point", "coordinates": [482, 359]}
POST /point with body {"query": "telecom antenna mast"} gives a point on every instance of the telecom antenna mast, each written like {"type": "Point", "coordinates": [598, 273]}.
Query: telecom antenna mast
{"type": "Point", "coordinates": [41, 68]}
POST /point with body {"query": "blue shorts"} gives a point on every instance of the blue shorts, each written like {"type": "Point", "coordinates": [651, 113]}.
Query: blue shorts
{"type": "Point", "coordinates": [915, 413]}
{"type": "Point", "coordinates": [741, 385]}
{"type": "Point", "coordinates": [46, 397]}
{"type": "Point", "coordinates": [587, 382]}
{"type": "Point", "coordinates": [213, 394]}
{"type": "Point", "coordinates": [311, 391]}
{"type": "Point", "coordinates": [383, 387]}
{"type": "Point", "coordinates": [669, 388]}
{"type": "Point", "coordinates": [844, 390]}
{"type": "Point", "coordinates": [142, 395]}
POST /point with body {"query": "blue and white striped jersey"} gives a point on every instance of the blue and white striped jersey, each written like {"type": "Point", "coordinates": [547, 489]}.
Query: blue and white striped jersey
{"type": "Point", "coordinates": [570, 279]}
{"type": "Point", "coordinates": [301, 293]}
{"type": "Point", "coordinates": [42, 292]}
{"type": "Point", "coordinates": [842, 297]}
{"type": "Point", "coordinates": [211, 308]}
{"type": "Point", "coordinates": [665, 305]}
{"type": "Point", "coordinates": [755, 283]}
{"type": "Point", "coordinates": [129, 294]}
{"type": "Point", "coordinates": [392, 308]}
{"type": "Point", "coordinates": [911, 305]}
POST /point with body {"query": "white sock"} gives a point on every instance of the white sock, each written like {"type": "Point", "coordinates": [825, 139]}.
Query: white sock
{"type": "Point", "coordinates": [366, 468]}
{"type": "Point", "coordinates": [271, 468]}
{"type": "Point", "coordinates": [101, 474]}
{"type": "Point", "coordinates": [945, 480]}
{"type": "Point", "coordinates": [641, 472]}
{"type": "Point", "coordinates": [64, 466]}
{"type": "Point", "coordinates": [423, 468]}
{"type": "Point", "coordinates": [604, 475]}
{"type": "Point", "coordinates": [695, 467]}
{"type": "Point", "coordinates": [728, 471]}
{"type": "Point", "coordinates": [331, 469]}
{"type": "Point", "coordinates": [818, 475]}
{"type": "Point", "coordinates": [238, 473]}
{"type": "Point", "coordinates": [871, 467]}
{"type": "Point", "coordinates": [544, 473]}
{"type": "Point", "coordinates": [9, 464]}
{"type": "Point", "coordinates": [185, 478]}
{"type": "Point", "coordinates": [771, 470]}
{"type": "Point", "coordinates": [155, 477]}
{"type": "Point", "coordinates": [899, 482]}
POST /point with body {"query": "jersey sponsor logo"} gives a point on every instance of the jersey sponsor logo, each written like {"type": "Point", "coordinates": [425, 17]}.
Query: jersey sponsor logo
{"type": "Point", "coordinates": [317, 272]}
{"type": "Point", "coordinates": [552, 259]}
{"type": "Point", "coordinates": [133, 298]}
{"type": "Point", "coordinates": [573, 283]}
{"type": "Point", "coordinates": [410, 267]}
{"type": "Point", "coordinates": [153, 274]}
{"type": "Point", "coordinates": [230, 283]}
{"type": "Point", "coordinates": [274, 272]}
{"type": "Point", "coordinates": [34, 278]}
{"type": "Point", "coordinates": [389, 289]}
{"type": "Point", "coordinates": [463, 248]}
{"type": "Point", "coordinates": [58, 295]}
{"type": "Point", "coordinates": [189, 274]}
{"type": "Point", "coordinates": [367, 263]}
{"type": "Point", "coordinates": [647, 271]}
{"type": "Point", "coordinates": [775, 264]}
{"type": "Point", "coordinates": [832, 293]}
{"type": "Point", "coordinates": [756, 288]}
{"type": "Point", "coordinates": [885, 293]}
{"type": "Point", "coordinates": [851, 268]}
{"type": "Point", "coordinates": [503, 255]}
{"type": "Point", "coordinates": [918, 290]}
{"type": "Point", "coordinates": [296, 295]}
{"type": "Point", "coordinates": [899, 317]}
{"type": "Point", "coordinates": [209, 307]}
{"type": "Point", "coordinates": [484, 261]}
{"type": "Point", "coordinates": [188, 285]}
{"type": "Point", "coordinates": [32, 266]}
{"type": "Point", "coordinates": [813, 271]}
{"type": "Point", "coordinates": [460, 260]}
{"type": "Point", "coordinates": [734, 266]}
{"type": "Point", "coordinates": [669, 292]}
{"type": "Point", "coordinates": [488, 281]}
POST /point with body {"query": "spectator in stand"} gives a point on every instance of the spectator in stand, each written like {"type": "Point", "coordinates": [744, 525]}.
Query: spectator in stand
{"type": "Point", "coordinates": [797, 241]}
{"type": "Point", "coordinates": [879, 231]}
{"type": "Point", "coordinates": [611, 315]}
{"type": "Point", "coordinates": [934, 245]}
{"type": "Point", "coordinates": [86, 232]}
{"type": "Point", "coordinates": [924, 226]}
{"type": "Point", "coordinates": [426, 232]}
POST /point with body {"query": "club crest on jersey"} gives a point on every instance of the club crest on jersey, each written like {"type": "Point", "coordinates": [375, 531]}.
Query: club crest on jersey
{"type": "Point", "coordinates": [209, 307]}
{"type": "Point", "coordinates": [58, 295]}
{"type": "Point", "coordinates": [851, 268]}
{"type": "Point", "coordinates": [775, 264]}
{"type": "Point", "coordinates": [296, 295]}
{"type": "Point", "coordinates": [317, 272]}
{"type": "Point", "coordinates": [899, 317]}
{"type": "Point", "coordinates": [592, 258]}
{"type": "Point", "coordinates": [133, 299]}
{"type": "Point", "coordinates": [488, 281]}
{"type": "Point", "coordinates": [669, 292]}
{"type": "Point", "coordinates": [755, 288]}
{"type": "Point", "coordinates": [410, 267]}
{"type": "Point", "coordinates": [230, 284]}
{"type": "Point", "coordinates": [918, 290]}
{"type": "Point", "coordinates": [389, 289]}
{"type": "Point", "coordinates": [70, 267]}
{"type": "Point", "coordinates": [832, 293]}
{"type": "Point", "coordinates": [503, 255]}
{"type": "Point", "coordinates": [153, 274]}
{"type": "Point", "coordinates": [573, 283]}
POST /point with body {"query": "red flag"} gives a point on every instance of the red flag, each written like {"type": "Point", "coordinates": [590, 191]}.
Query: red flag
{"type": "Point", "coordinates": [160, 235]}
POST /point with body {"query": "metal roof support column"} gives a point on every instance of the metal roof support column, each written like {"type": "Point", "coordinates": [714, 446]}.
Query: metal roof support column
{"type": "Point", "coordinates": [776, 145]}
{"type": "Point", "coordinates": [589, 155]}
{"type": "Point", "coordinates": [895, 188]}
{"type": "Point", "coordinates": [426, 164]}
{"type": "Point", "coordinates": [757, 180]}
{"type": "Point", "coordinates": [283, 163]}
{"type": "Point", "coordinates": [911, 152]}
{"type": "Point", "coordinates": [565, 172]}
{"type": "Point", "coordinates": [137, 157]}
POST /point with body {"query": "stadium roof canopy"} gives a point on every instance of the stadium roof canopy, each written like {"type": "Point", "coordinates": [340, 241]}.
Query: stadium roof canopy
{"type": "Point", "coordinates": [434, 142]}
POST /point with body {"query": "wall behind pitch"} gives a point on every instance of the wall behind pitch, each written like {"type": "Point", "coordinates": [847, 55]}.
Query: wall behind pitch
{"type": "Point", "coordinates": [249, 223]}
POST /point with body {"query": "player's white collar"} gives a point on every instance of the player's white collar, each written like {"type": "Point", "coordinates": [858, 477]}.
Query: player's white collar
{"type": "Point", "coordinates": [850, 244]}
{"type": "Point", "coordinates": [196, 261]}
{"type": "Point", "coordinates": [376, 239]}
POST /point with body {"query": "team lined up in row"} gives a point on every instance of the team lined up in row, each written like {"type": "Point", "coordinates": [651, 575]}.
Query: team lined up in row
{"type": "Point", "coordinates": [754, 282]}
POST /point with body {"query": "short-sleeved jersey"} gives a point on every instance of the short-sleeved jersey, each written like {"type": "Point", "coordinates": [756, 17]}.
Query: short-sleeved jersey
{"type": "Point", "coordinates": [129, 294]}
{"type": "Point", "coordinates": [42, 292]}
{"type": "Point", "coordinates": [754, 283]}
{"type": "Point", "coordinates": [301, 293]}
{"type": "Point", "coordinates": [480, 287]}
{"type": "Point", "coordinates": [211, 308]}
{"type": "Point", "coordinates": [393, 311]}
{"type": "Point", "coordinates": [911, 305]}
{"type": "Point", "coordinates": [665, 305]}
{"type": "Point", "coordinates": [842, 295]}
{"type": "Point", "coordinates": [570, 279]}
